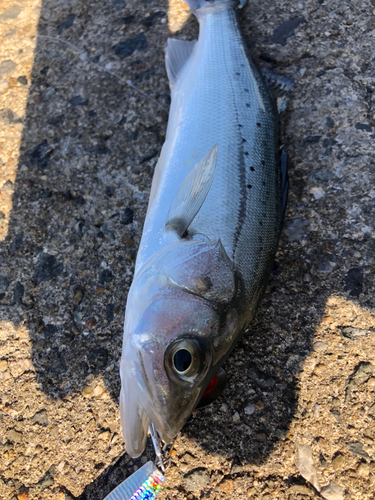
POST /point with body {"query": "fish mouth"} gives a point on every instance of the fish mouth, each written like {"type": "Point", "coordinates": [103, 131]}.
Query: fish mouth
{"type": "Point", "coordinates": [136, 419]}
{"type": "Point", "coordinates": [135, 424]}
{"type": "Point", "coordinates": [166, 428]}
{"type": "Point", "coordinates": [164, 432]}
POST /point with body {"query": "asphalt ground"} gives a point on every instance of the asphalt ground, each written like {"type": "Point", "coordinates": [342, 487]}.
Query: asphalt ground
{"type": "Point", "coordinates": [78, 146]}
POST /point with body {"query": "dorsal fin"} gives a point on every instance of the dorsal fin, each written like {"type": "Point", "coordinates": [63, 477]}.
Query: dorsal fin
{"type": "Point", "coordinates": [177, 53]}
{"type": "Point", "coordinates": [192, 193]}
{"type": "Point", "coordinates": [279, 86]}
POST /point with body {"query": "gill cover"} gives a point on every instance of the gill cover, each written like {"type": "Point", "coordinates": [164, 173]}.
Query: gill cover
{"type": "Point", "coordinates": [200, 268]}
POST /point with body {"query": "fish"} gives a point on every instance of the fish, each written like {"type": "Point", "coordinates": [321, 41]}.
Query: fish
{"type": "Point", "coordinates": [211, 231]}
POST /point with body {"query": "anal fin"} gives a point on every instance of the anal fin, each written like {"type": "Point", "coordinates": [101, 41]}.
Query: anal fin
{"type": "Point", "coordinates": [177, 53]}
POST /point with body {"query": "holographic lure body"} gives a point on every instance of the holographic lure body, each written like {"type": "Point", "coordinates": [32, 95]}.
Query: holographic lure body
{"type": "Point", "coordinates": [149, 489]}
{"type": "Point", "coordinates": [144, 484]}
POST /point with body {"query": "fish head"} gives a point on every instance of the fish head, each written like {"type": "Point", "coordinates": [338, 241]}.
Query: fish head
{"type": "Point", "coordinates": [175, 335]}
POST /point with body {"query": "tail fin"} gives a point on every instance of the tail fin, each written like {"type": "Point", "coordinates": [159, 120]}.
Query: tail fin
{"type": "Point", "coordinates": [198, 4]}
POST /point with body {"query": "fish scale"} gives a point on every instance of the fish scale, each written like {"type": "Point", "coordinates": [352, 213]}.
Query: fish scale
{"type": "Point", "coordinates": [211, 229]}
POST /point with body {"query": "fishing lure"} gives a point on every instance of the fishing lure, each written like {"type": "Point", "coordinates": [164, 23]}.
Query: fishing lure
{"type": "Point", "coordinates": [144, 484]}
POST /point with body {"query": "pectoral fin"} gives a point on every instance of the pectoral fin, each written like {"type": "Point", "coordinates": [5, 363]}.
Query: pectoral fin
{"type": "Point", "coordinates": [192, 193]}
{"type": "Point", "coordinates": [177, 53]}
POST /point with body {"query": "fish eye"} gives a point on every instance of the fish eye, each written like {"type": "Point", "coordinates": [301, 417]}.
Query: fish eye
{"type": "Point", "coordinates": [182, 360]}
{"type": "Point", "coordinates": [185, 358]}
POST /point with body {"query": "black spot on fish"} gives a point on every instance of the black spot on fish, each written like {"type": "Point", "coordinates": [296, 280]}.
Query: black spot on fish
{"type": "Point", "coordinates": [247, 105]}
{"type": "Point", "coordinates": [249, 186]}
{"type": "Point", "coordinates": [263, 163]}
{"type": "Point", "coordinates": [240, 125]}
{"type": "Point", "coordinates": [252, 169]}
{"type": "Point", "coordinates": [246, 153]}
{"type": "Point", "coordinates": [238, 74]}
{"type": "Point", "coordinates": [244, 140]}
{"type": "Point", "coordinates": [246, 90]}
{"type": "Point", "coordinates": [259, 124]}
{"type": "Point", "coordinates": [260, 223]}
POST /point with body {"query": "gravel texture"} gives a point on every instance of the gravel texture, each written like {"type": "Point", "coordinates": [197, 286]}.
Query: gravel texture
{"type": "Point", "coordinates": [78, 146]}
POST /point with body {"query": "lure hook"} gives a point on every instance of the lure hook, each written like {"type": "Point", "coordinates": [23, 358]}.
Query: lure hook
{"type": "Point", "coordinates": [160, 451]}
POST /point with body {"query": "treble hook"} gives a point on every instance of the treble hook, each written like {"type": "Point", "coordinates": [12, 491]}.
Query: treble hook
{"type": "Point", "coordinates": [162, 460]}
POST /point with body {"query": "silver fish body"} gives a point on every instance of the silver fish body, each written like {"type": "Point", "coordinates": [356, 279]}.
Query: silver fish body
{"type": "Point", "coordinates": [211, 230]}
